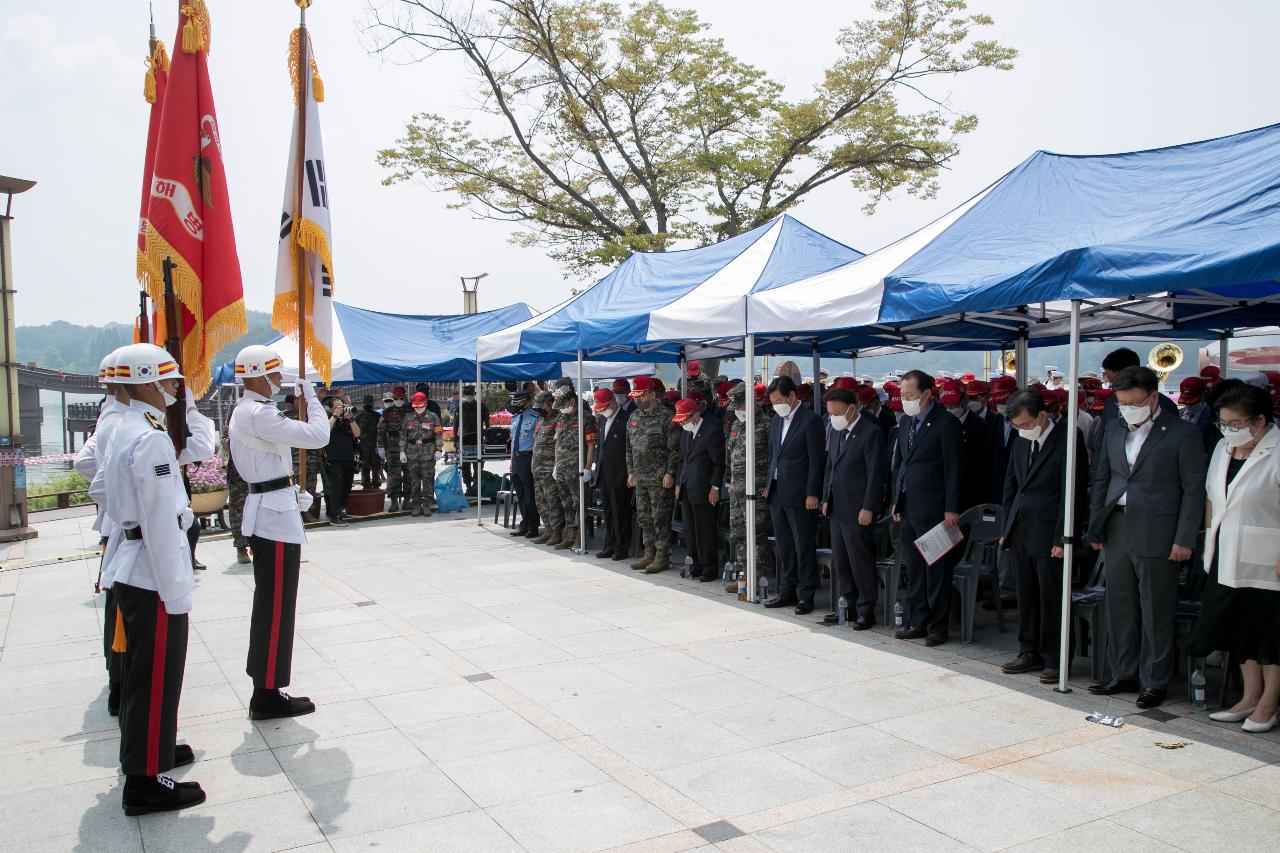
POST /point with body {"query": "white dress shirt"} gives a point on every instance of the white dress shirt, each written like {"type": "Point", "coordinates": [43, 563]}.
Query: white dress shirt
{"type": "Point", "coordinates": [141, 486]}
{"type": "Point", "coordinates": [1133, 441]}
{"type": "Point", "coordinates": [262, 439]}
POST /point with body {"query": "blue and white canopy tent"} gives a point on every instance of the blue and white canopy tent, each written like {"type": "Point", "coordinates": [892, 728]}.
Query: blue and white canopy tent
{"type": "Point", "coordinates": [653, 304]}
{"type": "Point", "coordinates": [373, 346]}
{"type": "Point", "coordinates": [1181, 241]}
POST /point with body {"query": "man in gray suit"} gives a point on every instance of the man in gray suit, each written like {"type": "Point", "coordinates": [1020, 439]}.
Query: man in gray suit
{"type": "Point", "coordinates": [1146, 510]}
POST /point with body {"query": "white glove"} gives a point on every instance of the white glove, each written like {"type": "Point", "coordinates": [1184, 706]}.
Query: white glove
{"type": "Point", "coordinates": [179, 606]}
{"type": "Point", "coordinates": [308, 390]}
{"type": "Point", "coordinates": [304, 499]}
{"type": "Point", "coordinates": [191, 400]}
{"type": "Point", "coordinates": [187, 518]}
{"type": "Point", "coordinates": [404, 457]}
{"type": "Point", "coordinates": [588, 476]}
{"type": "Point", "coordinates": [382, 454]}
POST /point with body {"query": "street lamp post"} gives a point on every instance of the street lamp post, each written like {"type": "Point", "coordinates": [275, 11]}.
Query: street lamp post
{"type": "Point", "coordinates": [470, 284]}
{"type": "Point", "coordinates": [13, 470]}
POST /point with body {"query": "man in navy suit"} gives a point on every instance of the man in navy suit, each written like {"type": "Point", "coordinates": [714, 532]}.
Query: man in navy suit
{"type": "Point", "coordinates": [611, 474]}
{"type": "Point", "coordinates": [926, 492]}
{"type": "Point", "coordinates": [699, 475]}
{"type": "Point", "coordinates": [793, 484]}
{"type": "Point", "coordinates": [1033, 527]}
{"type": "Point", "coordinates": [852, 496]}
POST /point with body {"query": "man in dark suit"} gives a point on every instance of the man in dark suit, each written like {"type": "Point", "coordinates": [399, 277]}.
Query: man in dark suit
{"type": "Point", "coordinates": [975, 483]}
{"type": "Point", "coordinates": [853, 490]}
{"type": "Point", "coordinates": [793, 483]}
{"type": "Point", "coordinates": [699, 476]}
{"type": "Point", "coordinates": [927, 465]}
{"type": "Point", "coordinates": [1033, 528]}
{"type": "Point", "coordinates": [1146, 509]}
{"type": "Point", "coordinates": [611, 475]}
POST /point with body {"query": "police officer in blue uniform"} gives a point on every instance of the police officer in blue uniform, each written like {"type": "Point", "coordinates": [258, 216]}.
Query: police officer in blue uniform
{"type": "Point", "coordinates": [522, 430]}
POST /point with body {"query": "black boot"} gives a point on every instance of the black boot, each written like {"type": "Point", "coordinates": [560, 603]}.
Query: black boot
{"type": "Point", "coordinates": [270, 704]}
{"type": "Point", "coordinates": [148, 794]}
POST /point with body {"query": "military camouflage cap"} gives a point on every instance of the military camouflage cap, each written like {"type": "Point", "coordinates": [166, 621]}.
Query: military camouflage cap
{"type": "Point", "coordinates": [563, 392]}
{"type": "Point", "coordinates": [544, 398]}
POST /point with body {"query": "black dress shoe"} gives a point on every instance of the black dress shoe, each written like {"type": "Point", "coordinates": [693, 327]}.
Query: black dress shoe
{"type": "Point", "coordinates": [780, 601]}
{"type": "Point", "coordinates": [909, 633]}
{"type": "Point", "coordinates": [804, 608]}
{"type": "Point", "coordinates": [830, 619]}
{"type": "Point", "coordinates": [197, 565]}
{"type": "Point", "coordinates": [1114, 686]}
{"type": "Point", "coordinates": [709, 576]}
{"type": "Point", "coordinates": [935, 639]}
{"type": "Point", "coordinates": [532, 534]}
{"type": "Point", "coordinates": [519, 531]}
{"type": "Point", "coordinates": [1049, 676]}
{"type": "Point", "coordinates": [862, 623]}
{"type": "Point", "coordinates": [1151, 698]}
{"type": "Point", "coordinates": [605, 554]}
{"type": "Point", "coordinates": [149, 794]}
{"type": "Point", "coordinates": [620, 555]}
{"type": "Point", "coordinates": [273, 704]}
{"type": "Point", "coordinates": [183, 755]}
{"type": "Point", "coordinates": [1025, 662]}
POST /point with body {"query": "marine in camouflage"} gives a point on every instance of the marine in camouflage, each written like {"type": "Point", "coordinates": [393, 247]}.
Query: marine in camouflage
{"type": "Point", "coordinates": [653, 449]}
{"type": "Point", "coordinates": [738, 503]}
{"type": "Point", "coordinates": [419, 436]}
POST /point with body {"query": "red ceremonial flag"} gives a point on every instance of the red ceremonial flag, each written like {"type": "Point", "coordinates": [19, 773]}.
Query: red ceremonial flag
{"type": "Point", "coordinates": [189, 216]}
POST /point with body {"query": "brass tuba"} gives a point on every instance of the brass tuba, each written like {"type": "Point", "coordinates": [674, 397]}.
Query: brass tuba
{"type": "Point", "coordinates": [1010, 362]}
{"type": "Point", "coordinates": [1164, 359]}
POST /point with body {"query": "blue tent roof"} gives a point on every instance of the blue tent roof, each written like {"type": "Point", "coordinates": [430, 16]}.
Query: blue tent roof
{"type": "Point", "coordinates": [1199, 220]}
{"type": "Point", "coordinates": [652, 302]}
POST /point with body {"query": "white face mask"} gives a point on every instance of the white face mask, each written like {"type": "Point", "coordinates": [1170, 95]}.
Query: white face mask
{"type": "Point", "coordinates": [1237, 437]}
{"type": "Point", "coordinates": [1032, 434]}
{"type": "Point", "coordinates": [1135, 415]}
{"type": "Point", "coordinates": [741, 411]}
{"type": "Point", "coordinates": [419, 409]}
{"type": "Point", "coordinates": [275, 389]}
{"type": "Point", "coordinates": [911, 408]}
{"type": "Point", "coordinates": [566, 410]}
{"type": "Point", "coordinates": [687, 426]}
{"type": "Point", "coordinates": [957, 410]}
{"type": "Point", "coordinates": [468, 399]}
{"type": "Point", "coordinates": [839, 423]}
{"type": "Point", "coordinates": [1002, 410]}
{"type": "Point", "coordinates": [783, 409]}
{"type": "Point", "coordinates": [400, 403]}
{"type": "Point", "coordinates": [169, 399]}
{"type": "Point", "coordinates": [975, 406]}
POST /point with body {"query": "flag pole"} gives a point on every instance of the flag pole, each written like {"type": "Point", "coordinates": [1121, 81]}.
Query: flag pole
{"type": "Point", "coordinates": [176, 415]}
{"type": "Point", "coordinates": [144, 321]}
{"type": "Point", "coordinates": [300, 255]}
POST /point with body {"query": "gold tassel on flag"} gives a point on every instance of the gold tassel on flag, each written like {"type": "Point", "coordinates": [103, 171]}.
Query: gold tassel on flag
{"type": "Point", "coordinates": [159, 58]}
{"type": "Point", "coordinates": [196, 29]}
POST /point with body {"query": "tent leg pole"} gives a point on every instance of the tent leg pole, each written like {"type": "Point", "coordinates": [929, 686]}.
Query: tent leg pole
{"type": "Point", "coordinates": [683, 384]}
{"type": "Point", "coordinates": [1020, 356]}
{"type": "Point", "coordinates": [1222, 357]}
{"type": "Point", "coordinates": [1069, 498]}
{"type": "Point", "coordinates": [817, 382]}
{"type": "Point", "coordinates": [582, 485]}
{"type": "Point", "coordinates": [479, 452]}
{"type": "Point", "coordinates": [750, 488]}
{"type": "Point", "coordinates": [853, 358]}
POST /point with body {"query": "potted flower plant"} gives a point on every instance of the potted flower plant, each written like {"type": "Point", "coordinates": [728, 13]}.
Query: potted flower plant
{"type": "Point", "coordinates": [208, 486]}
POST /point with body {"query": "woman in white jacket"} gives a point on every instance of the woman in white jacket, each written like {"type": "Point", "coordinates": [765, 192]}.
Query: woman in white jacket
{"type": "Point", "coordinates": [1241, 606]}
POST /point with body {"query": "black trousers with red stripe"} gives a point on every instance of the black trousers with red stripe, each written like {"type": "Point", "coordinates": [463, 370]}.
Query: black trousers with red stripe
{"type": "Point", "coordinates": [151, 669]}
{"type": "Point", "coordinates": [275, 601]}
{"type": "Point", "coordinates": [114, 659]}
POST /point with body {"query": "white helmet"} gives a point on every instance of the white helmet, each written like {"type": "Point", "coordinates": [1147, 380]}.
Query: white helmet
{"type": "Point", "coordinates": [107, 367]}
{"type": "Point", "coordinates": [257, 360]}
{"type": "Point", "coordinates": [142, 364]}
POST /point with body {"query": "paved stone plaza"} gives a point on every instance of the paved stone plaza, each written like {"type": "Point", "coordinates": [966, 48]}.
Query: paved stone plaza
{"type": "Point", "coordinates": [476, 693]}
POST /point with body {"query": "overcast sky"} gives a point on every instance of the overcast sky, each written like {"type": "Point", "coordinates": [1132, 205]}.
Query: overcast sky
{"type": "Point", "coordinates": [1093, 76]}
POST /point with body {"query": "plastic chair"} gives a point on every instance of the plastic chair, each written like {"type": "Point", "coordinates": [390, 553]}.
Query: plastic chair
{"type": "Point", "coordinates": [506, 499]}
{"type": "Point", "coordinates": [983, 524]}
{"type": "Point", "coordinates": [890, 565]}
{"type": "Point", "coordinates": [1088, 619]}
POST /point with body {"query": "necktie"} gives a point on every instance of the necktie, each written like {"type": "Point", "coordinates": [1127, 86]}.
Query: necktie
{"type": "Point", "coordinates": [911, 432]}
{"type": "Point", "coordinates": [1035, 448]}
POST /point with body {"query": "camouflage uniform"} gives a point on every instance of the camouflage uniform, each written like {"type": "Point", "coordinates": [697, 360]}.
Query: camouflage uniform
{"type": "Point", "coordinates": [370, 464]}
{"type": "Point", "coordinates": [544, 461]}
{"type": "Point", "coordinates": [389, 440]}
{"type": "Point", "coordinates": [738, 487]}
{"type": "Point", "coordinates": [567, 470]}
{"type": "Point", "coordinates": [419, 436]}
{"type": "Point", "coordinates": [238, 491]}
{"type": "Point", "coordinates": [653, 448]}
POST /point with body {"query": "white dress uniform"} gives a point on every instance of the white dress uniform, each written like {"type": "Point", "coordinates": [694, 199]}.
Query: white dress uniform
{"type": "Point", "coordinates": [91, 457]}
{"type": "Point", "coordinates": [262, 442]}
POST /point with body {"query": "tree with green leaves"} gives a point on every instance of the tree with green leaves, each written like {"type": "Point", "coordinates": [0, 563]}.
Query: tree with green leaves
{"type": "Point", "coordinates": [607, 131]}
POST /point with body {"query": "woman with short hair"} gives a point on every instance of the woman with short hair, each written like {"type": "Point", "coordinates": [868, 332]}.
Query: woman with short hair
{"type": "Point", "coordinates": [1241, 605]}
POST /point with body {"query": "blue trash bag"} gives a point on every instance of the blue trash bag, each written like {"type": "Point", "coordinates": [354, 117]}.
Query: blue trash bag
{"type": "Point", "coordinates": [449, 496]}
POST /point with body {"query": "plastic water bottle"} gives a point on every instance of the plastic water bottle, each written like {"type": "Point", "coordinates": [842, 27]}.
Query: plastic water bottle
{"type": "Point", "coordinates": [728, 573]}
{"type": "Point", "coordinates": [742, 586]}
{"type": "Point", "coordinates": [1197, 690]}
{"type": "Point", "coordinates": [687, 568]}
{"type": "Point", "coordinates": [762, 587]}
{"type": "Point", "coordinates": [842, 611]}
{"type": "Point", "coordinates": [897, 615]}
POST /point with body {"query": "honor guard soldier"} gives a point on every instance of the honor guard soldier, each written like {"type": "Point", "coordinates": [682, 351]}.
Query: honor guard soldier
{"type": "Point", "coordinates": [419, 435]}
{"type": "Point", "coordinates": [148, 568]}
{"type": "Point", "coordinates": [262, 441]}
{"type": "Point", "coordinates": [89, 460]}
